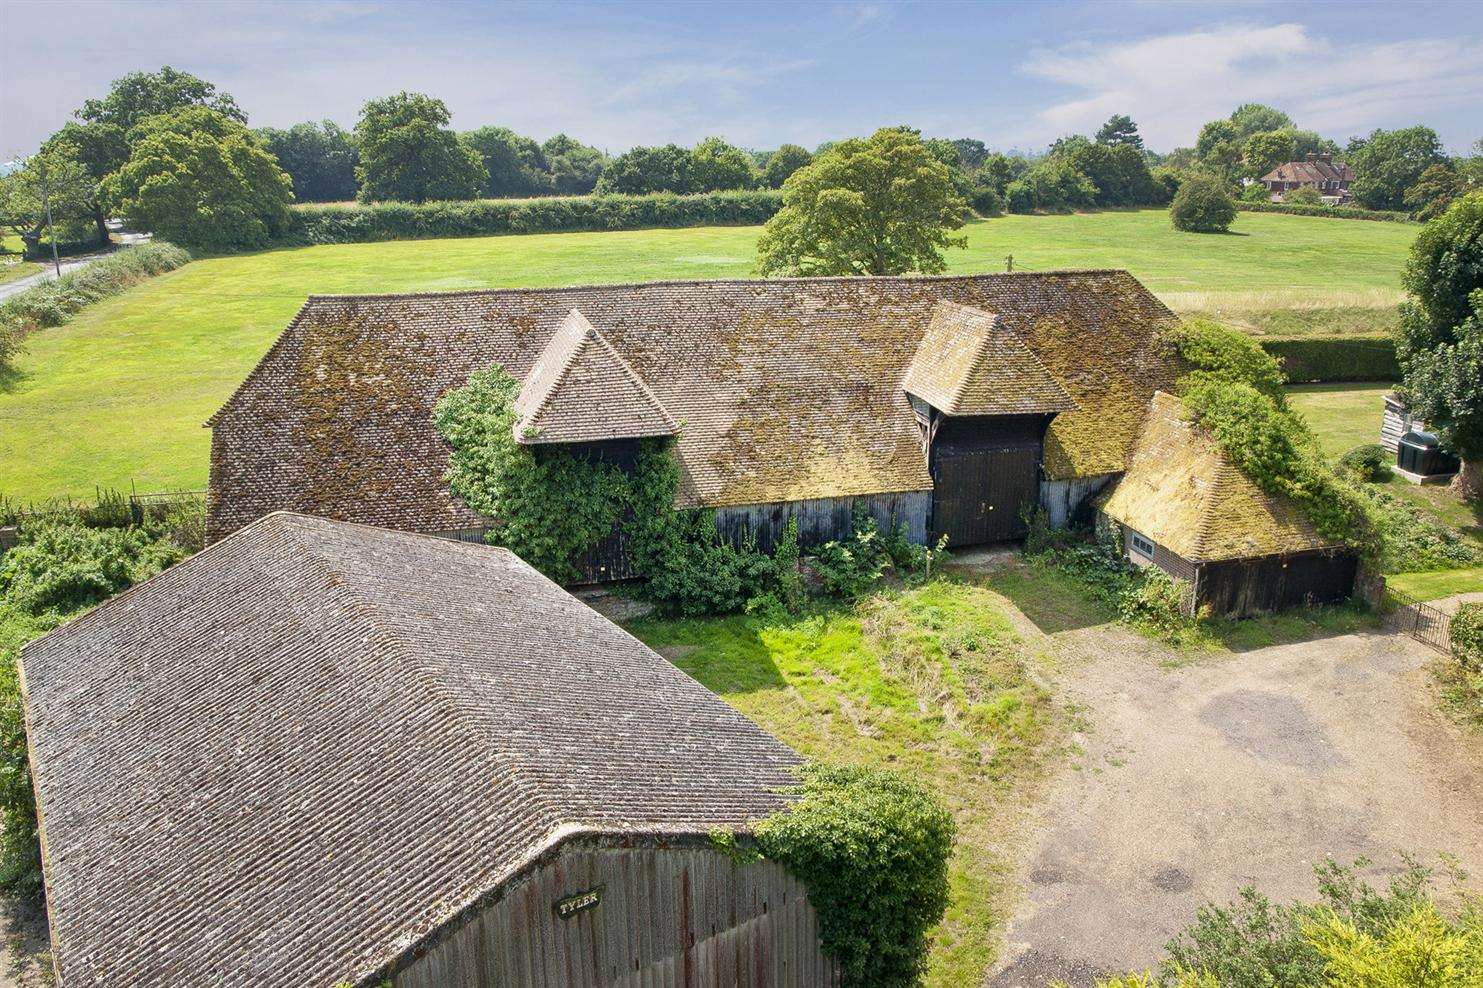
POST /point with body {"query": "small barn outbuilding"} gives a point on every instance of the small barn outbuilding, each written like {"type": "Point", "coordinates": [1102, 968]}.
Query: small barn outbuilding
{"type": "Point", "coordinates": [319, 752]}
{"type": "Point", "coordinates": [1184, 507]}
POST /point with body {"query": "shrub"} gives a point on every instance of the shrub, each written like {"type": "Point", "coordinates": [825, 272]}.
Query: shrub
{"type": "Point", "coordinates": [64, 568]}
{"type": "Point", "coordinates": [52, 303]}
{"type": "Point", "coordinates": [1303, 195]}
{"type": "Point", "coordinates": [850, 568]}
{"type": "Point", "coordinates": [872, 848]}
{"type": "Point", "coordinates": [1411, 540]}
{"type": "Point", "coordinates": [1143, 597]}
{"type": "Point", "coordinates": [337, 224]}
{"type": "Point", "coordinates": [1335, 359]}
{"type": "Point", "coordinates": [1370, 463]}
{"type": "Point", "coordinates": [1254, 943]}
{"type": "Point", "coordinates": [1202, 205]}
{"type": "Point", "coordinates": [1328, 212]}
{"type": "Point", "coordinates": [1255, 192]}
{"type": "Point", "coordinates": [1467, 637]}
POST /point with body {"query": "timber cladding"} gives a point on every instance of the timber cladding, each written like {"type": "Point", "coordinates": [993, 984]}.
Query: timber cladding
{"type": "Point", "coordinates": [783, 390]}
{"type": "Point", "coordinates": [615, 912]}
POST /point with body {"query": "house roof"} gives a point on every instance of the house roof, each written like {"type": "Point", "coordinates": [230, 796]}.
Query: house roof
{"type": "Point", "coordinates": [784, 390]}
{"type": "Point", "coordinates": [1310, 171]}
{"type": "Point", "coordinates": [967, 364]}
{"type": "Point", "coordinates": [580, 390]}
{"type": "Point", "coordinates": [1182, 492]}
{"type": "Point", "coordinates": [291, 758]}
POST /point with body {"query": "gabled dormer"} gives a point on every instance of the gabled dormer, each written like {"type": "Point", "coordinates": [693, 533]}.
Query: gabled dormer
{"type": "Point", "coordinates": [581, 391]}
{"type": "Point", "coordinates": [969, 365]}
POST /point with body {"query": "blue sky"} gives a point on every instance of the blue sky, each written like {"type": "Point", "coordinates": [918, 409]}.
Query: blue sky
{"type": "Point", "coordinates": [1011, 74]}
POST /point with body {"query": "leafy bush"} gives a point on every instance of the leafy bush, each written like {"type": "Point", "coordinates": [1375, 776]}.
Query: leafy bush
{"type": "Point", "coordinates": [1310, 360]}
{"type": "Point", "coordinates": [52, 303]}
{"type": "Point", "coordinates": [1202, 205]}
{"type": "Point", "coordinates": [1467, 637]}
{"type": "Point", "coordinates": [1355, 935]}
{"type": "Point", "coordinates": [336, 224]}
{"type": "Point", "coordinates": [1143, 597]}
{"type": "Point", "coordinates": [1255, 192]}
{"type": "Point", "coordinates": [1303, 195]}
{"type": "Point", "coordinates": [64, 568]}
{"type": "Point", "coordinates": [872, 848]}
{"type": "Point", "coordinates": [1370, 463]}
{"type": "Point", "coordinates": [20, 847]}
{"type": "Point", "coordinates": [1328, 212]}
{"type": "Point", "coordinates": [851, 568]}
{"type": "Point", "coordinates": [1411, 540]}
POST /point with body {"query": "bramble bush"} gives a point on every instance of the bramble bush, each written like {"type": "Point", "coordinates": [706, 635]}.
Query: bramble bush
{"type": "Point", "coordinates": [1369, 463]}
{"type": "Point", "coordinates": [872, 848]}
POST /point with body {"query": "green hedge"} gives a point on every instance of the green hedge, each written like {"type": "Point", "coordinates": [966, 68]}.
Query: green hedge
{"type": "Point", "coordinates": [1352, 358]}
{"type": "Point", "coordinates": [1329, 212]}
{"type": "Point", "coordinates": [347, 224]}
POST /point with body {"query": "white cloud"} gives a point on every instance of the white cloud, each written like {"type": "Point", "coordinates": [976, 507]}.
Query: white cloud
{"type": "Point", "coordinates": [1173, 83]}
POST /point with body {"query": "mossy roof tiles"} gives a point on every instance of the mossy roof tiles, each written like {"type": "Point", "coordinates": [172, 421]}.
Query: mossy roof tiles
{"type": "Point", "coordinates": [289, 759]}
{"type": "Point", "coordinates": [783, 390]}
{"type": "Point", "coordinates": [967, 364]}
{"type": "Point", "coordinates": [1182, 492]}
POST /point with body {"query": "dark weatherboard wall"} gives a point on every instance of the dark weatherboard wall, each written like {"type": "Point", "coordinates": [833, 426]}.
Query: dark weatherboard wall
{"type": "Point", "coordinates": [636, 913]}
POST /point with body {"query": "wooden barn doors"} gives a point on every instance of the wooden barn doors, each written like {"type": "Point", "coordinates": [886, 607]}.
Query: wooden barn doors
{"type": "Point", "coordinates": [985, 472]}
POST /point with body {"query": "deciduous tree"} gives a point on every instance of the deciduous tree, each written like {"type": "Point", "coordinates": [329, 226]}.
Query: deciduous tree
{"type": "Point", "coordinates": [716, 166]}
{"type": "Point", "coordinates": [1267, 149]}
{"type": "Point", "coordinates": [1253, 118]}
{"type": "Point", "coordinates": [516, 165]}
{"type": "Point", "coordinates": [138, 96]}
{"type": "Point", "coordinates": [1218, 150]}
{"type": "Point", "coordinates": [642, 170]}
{"type": "Point", "coordinates": [200, 179]}
{"type": "Point", "coordinates": [407, 152]}
{"type": "Point", "coordinates": [319, 158]}
{"type": "Point", "coordinates": [575, 167]}
{"type": "Point", "coordinates": [1389, 162]}
{"type": "Point", "coordinates": [784, 162]}
{"type": "Point", "coordinates": [1440, 343]}
{"type": "Point", "coordinates": [865, 207]}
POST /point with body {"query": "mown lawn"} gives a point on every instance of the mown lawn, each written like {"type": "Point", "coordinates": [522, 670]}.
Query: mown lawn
{"type": "Point", "coordinates": [118, 396]}
{"type": "Point", "coordinates": [932, 682]}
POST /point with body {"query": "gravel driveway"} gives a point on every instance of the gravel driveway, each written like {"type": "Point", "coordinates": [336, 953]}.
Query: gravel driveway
{"type": "Point", "coordinates": [1241, 769]}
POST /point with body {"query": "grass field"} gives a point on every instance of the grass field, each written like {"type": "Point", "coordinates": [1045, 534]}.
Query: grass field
{"type": "Point", "coordinates": [118, 396]}
{"type": "Point", "coordinates": [932, 682]}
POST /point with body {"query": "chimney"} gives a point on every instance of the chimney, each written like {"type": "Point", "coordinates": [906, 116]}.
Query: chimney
{"type": "Point", "coordinates": [1327, 158]}
{"type": "Point", "coordinates": [1312, 155]}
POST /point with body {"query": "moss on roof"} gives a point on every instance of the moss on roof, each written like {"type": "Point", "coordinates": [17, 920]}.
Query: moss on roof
{"type": "Point", "coordinates": [1181, 492]}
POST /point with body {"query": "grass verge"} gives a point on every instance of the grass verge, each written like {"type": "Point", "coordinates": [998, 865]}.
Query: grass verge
{"type": "Point", "coordinates": [933, 682]}
{"type": "Point", "coordinates": [1436, 584]}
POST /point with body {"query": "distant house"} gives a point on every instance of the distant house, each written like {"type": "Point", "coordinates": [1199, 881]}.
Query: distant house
{"type": "Point", "coordinates": [319, 752]}
{"type": "Point", "coordinates": [947, 405]}
{"type": "Point", "coordinates": [1317, 171]}
{"type": "Point", "coordinates": [1184, 507]}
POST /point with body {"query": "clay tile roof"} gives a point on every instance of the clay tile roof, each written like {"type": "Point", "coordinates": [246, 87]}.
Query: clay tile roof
{"type": "Point", "coordinates": [784, 389]}
{"type": "Point", "coordinates": [289, 759]}
{"type": "Point", "coordinates": [1310, 171]}
{"type": "Point", "coordinates": [580, 390]}
{"type": "Point", "coordinates": [1184, 494]}
{"type": "Point", "coordinates": [967, 364]}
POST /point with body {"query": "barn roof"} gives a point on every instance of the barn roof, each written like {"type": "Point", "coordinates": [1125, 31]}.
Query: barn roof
{"type": "Point", "coordinates": [967, 364]}
{"type": "Point", "coordinates": [290, 758]}
{"type": "Point", "coordinates": [1183, 493]}
{"type": "Point", "coordinates": [580, 390]}
{"type": "Point", "coordinates": [784, 390]}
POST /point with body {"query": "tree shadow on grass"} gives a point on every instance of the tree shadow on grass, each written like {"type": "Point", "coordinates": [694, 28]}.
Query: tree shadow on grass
{"type": "Point", "coordinates": [1052, 600]}
{"type": "Point", "coordinates": [1301, 624]}
{"type": "Point", "coordinates": [725, 655]}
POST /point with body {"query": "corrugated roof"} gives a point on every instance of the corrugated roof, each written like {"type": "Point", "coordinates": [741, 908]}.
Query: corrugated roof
{"type": "Point", "coordinates": [1182, 492]}
{"type": "Point", "coordinates": [785, 389]}
{"type": "Point", "coordinates": [290, 758]}
{"type": "Point", "coordinates": [967, 365]}
{"type": "Point", "coordinates": [580, 390]}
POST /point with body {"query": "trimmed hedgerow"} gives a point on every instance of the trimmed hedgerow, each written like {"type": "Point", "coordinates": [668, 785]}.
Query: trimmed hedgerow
{"type": "Point", "coordinates": [1328, 212]}
{"type": "Point", "coordinates": [872, 848]}
{"type": "Point", "coordinates": [365, 223]}
{"type": "Point", "coordinates": [1308, 361]}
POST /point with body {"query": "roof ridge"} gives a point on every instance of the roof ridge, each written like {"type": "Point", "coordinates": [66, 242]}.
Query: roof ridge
{"type": "Point", "coordinates": [1034, 358]}
{"type": "Point", "coordinates": [673, 282]}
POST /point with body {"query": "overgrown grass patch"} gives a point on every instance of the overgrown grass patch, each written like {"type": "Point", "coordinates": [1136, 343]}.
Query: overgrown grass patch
{"type": "Point", "coordinates": [933, 682]}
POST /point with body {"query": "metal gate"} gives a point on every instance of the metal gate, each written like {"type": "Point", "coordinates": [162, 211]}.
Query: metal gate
{"type": "Point", "coordinates": [1421, 621]}
{"type": "Point", "coordinates": [978, 495]}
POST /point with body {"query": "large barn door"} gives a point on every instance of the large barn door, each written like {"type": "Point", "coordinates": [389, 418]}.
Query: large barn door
{"type": "Point", "coordinates": [978, 494]}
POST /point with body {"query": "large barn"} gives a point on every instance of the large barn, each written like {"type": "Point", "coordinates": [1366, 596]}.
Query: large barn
{"type": "Point", "coordinates": [319, 752]}
{"type": "Point", "coordinates": [945, 404]}
{"type": "Point", "coordinates": [1185, 507]}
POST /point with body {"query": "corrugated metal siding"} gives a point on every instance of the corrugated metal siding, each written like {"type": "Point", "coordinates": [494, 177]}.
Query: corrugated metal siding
{"type": "Point", "coordinates": [670, 916]}
{"type": "Point", "coordinates": [825, 519]}
{"type": "Point", "coordinates": [1063, 500]}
